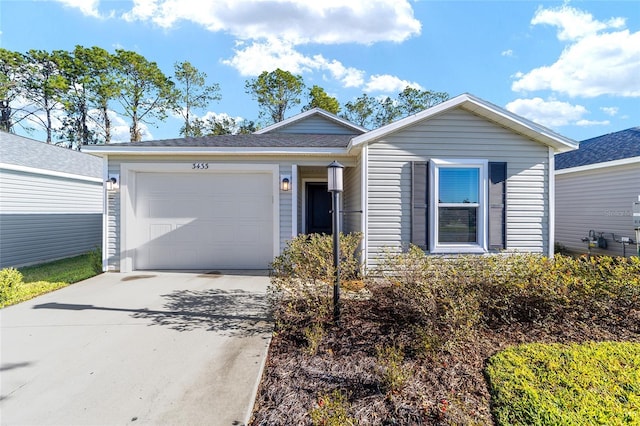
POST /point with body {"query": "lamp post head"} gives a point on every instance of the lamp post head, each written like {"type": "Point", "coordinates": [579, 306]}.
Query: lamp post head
{"type": "Point", "coordinates": [334, 175]}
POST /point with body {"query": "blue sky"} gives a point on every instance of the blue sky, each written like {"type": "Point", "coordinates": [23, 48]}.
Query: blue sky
{"type": "Point", "coordinates": [571, 66]}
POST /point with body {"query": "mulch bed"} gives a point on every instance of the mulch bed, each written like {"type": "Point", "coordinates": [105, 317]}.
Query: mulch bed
{"type": "Point", "coordinates": [447, 387]}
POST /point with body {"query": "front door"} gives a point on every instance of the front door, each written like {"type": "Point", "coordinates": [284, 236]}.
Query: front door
{"type": "Point", "coordinates": [318, 209]}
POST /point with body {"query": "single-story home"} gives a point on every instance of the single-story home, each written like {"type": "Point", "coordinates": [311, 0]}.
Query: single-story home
{"type": "Point", "coordinates": [596, 187]}
{"type": "Point", "coordinates": [464, 176]}
{"type": "Point", "coordinates": [51, 201]}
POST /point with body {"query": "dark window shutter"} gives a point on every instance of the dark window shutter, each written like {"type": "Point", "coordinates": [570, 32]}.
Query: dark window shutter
{"type": "Point", "coordinates": [419, 210]}
{"type": "Point", "coordinates": [497, 205]}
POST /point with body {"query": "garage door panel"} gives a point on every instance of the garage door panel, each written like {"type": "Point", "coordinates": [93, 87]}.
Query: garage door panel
{"type": "Point", "coordinates": [202, 221]}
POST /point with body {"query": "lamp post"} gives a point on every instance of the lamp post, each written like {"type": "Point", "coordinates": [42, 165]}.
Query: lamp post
{"type": "Point", "coordinates": [334, 185]}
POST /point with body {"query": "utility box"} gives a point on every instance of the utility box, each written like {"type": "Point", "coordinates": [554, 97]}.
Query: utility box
{"type": "Point", "coordinates": [636, 214]}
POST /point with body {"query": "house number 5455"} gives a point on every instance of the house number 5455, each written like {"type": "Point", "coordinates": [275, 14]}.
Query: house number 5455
{"type": "Point", "coordinates": [200, 166]}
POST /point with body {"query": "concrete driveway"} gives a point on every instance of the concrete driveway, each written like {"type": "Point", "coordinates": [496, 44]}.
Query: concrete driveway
{"type": "Point", "coordinates": [138, 348]}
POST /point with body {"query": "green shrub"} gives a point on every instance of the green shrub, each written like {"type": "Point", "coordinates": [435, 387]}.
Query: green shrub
{"type": "Point", "coordinates": [392, 371]}
{"type": "Point", "coordinates": [436, 296]}
{"type": "Point", "coordinates": [10, 284]}
{"type": "Point", "coordinates": [95, 258]}
{"type": "Point", "coordinates": [541, 384]}
{"type": "Point", "coordinates": [302, 277]}
{"type": "Point", "coordinates": [332, 410]}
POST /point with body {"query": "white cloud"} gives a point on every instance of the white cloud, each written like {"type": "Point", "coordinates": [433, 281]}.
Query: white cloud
{"type": "Point", "coordinates": [326, 22]}
{"type": "Point", "coordinates": [275, 53]}
{"type": "Point", "coordinates": [549, 113]}
{"type": "Point", "coordinates": [594, 63]}
{"type": "Point", "coordinates": [584, 123]}
{"type": "Point", "coordinates": [388, 84]}
{"type": "Point", "coordinates": [269, 55]}
{"type": "Point", "coordinates": [574, 24]}
{"type": "Point", "coordinates": [611, 111]}
{"type": "Point", "coordinates": [87, 7]}
{"type": "Point", "coordinates": [507, 52]}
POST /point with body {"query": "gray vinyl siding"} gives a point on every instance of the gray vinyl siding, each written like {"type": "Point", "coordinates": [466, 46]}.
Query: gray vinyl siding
{"type": "Point", "coordinates": [44, 217]}
{"type": "Point", "coordinates": [351, 199]}
{"type": "Point", "coordinates": [316, 125]}
{"type": "Point", "coordinates": [286, 211]}
{"type": "Point", "coordinates": [600, 200]}
{"type": "Point", "coordinates": [285, 199]}
{"type": "Point", "coordinates": [456, 134]}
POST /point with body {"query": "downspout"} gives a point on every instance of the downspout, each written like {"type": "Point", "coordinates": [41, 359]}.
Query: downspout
{"type": "Point", "coordinates": [105, 213]}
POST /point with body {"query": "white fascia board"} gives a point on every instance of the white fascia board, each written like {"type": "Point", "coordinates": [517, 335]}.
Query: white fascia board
{"type": "Point", "coordinates": [168, 150]}
{"type": "Point", "coordinates": [45, 172]}
{"type": "Point", "coordinates": [303, 115]}
{"type": "Point", "coordinates": [595, 166]}
{"type": "Point", "coordinates": [484, 109]}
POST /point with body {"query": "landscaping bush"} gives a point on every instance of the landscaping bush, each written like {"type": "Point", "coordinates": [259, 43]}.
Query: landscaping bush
{"type": "Point", "coordinates": [10, 284]}
{"type": "Point", "coordinates": [302, 277]}
{"type": "Point", "coordinates": [446, 299]}
{"type": "Point", "coordinates": [592, 383]}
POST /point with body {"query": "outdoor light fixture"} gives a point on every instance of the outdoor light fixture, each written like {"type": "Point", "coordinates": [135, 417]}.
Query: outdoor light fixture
{"type": "Point", "coordinates": [334, 185]}
{"type": "Point", "coordinates": [285, 183]}
{"type": "Point", "coordinates": [112, 182]}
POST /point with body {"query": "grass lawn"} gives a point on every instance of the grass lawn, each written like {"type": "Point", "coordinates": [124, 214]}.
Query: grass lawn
{"type": "Point", "coordinates": [47, 277]}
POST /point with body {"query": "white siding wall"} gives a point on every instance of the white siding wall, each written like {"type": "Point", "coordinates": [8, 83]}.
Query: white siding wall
{"type": "Point", "coordinates": [599, 199]}
{"type": "Point", "coordinates": [457, 134]}
{"type": "Point", "coordinates": [47, 217]}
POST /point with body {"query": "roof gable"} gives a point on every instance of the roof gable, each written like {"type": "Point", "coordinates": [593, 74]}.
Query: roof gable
{"type": "Point", "coordinates": [480, 108]}
{"type": "Point", "coordinates": [610, 147]}
{"type": "Point", "coordinates": [25, 152]}
{"type": "Point", "coordinates": [315, 120]}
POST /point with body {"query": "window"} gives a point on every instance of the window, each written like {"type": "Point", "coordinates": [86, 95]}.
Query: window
{"type": "Point", "coordinates": [458, 206]}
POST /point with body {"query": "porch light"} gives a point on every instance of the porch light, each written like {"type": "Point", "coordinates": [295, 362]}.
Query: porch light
{"type": "Point", "coordinates": [285, 183]}
{"type": "Point", "coordinates": [334, 183]}
{"type": "Point", "coordinates": [112, 183]}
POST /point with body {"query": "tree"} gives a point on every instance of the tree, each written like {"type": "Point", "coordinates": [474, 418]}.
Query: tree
{"type": "Point", "coordinates": [43, 85]}
{"type": "Point", "coordinates": [222, 125]}
{"type": "Point", "coordinates": [193, 93]}
{"type": "Point", "coordinates": [361, 110]}
{"type": "Point", "coordinates": [102, 88]}
{"type": "Point", "coordinates": [318, 98]}
{"type": "Point", "coordinates": [412, 100]}
{"type": "Point", "coordinates": [11, 66]}
{"type": "Point", "coordinates": [146, 93]}
{"type": "Point", "coordinates": [276, 92]}
{"type": "Point", "coordinates": [387, 111]}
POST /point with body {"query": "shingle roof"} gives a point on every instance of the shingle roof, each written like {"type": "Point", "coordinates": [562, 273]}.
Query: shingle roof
{"type": "Point", "coordinates": [267, 140]}
{"type": "Point", "coordinates": [25, 152]}
{"type": "Point", "coordinates": [610, 147]}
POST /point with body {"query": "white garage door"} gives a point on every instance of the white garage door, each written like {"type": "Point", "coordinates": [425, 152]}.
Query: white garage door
{"type": "Point", "coordinates": [203, 220]}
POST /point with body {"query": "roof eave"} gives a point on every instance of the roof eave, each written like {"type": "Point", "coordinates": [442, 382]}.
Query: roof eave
{"type": "Point", "coordinates": [102, 151]}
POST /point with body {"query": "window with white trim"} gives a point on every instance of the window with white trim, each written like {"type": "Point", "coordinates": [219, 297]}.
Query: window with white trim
{"type": "Point", "coordinates": [458, 206]}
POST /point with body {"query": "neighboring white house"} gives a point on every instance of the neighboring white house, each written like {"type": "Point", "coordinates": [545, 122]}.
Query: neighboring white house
{"type": "Point", "coordinates": [596, 187]}
{"type": "Point", "coordinates": [51, 201]}
{"type": "Point", "coordinates": [464, 176]}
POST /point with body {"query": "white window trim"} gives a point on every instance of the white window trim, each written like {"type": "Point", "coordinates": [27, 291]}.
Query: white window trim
{"type": "Point", "coordinates": [482, 226]}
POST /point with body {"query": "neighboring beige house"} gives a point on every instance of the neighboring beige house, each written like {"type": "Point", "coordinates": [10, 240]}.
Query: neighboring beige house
{"type": "Point", "coordinates": [464, 176]}
{"type": "Point", "coordinates": [50, 201]}
{"type": "Point", "coordinates": [596, 187]}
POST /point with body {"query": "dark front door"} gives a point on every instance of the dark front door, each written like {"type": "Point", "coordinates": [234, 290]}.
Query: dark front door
{"type": "Point", "coordinates": [318, 209]}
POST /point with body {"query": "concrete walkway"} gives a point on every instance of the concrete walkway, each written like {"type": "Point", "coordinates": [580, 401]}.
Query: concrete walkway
{"type": "Point", "coordinates": [138, 348]}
